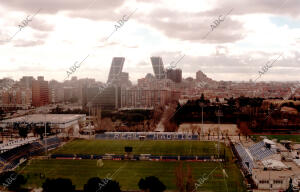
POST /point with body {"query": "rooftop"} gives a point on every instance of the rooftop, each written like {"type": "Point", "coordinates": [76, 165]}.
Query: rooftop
{"type": "Point", "coordinates": [49, 118]}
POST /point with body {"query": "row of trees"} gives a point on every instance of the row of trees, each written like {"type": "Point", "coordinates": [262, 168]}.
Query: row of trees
{"type": "Point", "coordinates": [131, 120]}
{"type": "Point", "coordinates": [259, 115]}
{"type": "Point", "coordinates": [184, 180]}
{"type": "Point", "coordinates": [14, 182]}
{"type": "Point", "coordinates": [24, 129]}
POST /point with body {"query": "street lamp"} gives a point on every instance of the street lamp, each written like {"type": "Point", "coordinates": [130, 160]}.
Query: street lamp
{"type": "Point", "coordinates": [45, 120]}
{"type": "Point", "coordinates": [201, 104]}
{"type": "Point", "coordinates": [219, 114]}
{"type": "Point", "coordinates": [89, 118]}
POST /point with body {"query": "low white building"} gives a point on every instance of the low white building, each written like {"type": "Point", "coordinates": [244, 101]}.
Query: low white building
{"type": "Point", "coordinates": [60, 122]}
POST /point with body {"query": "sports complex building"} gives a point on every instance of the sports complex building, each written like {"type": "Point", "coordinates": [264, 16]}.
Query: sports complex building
{"type": "Point", "coordinates": [61, 123]}
{"type": "Point", "coordinates": [269, 165]}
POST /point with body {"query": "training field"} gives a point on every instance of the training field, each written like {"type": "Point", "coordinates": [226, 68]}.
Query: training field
{"type": "Point", "coordinates": [291, 137]}
{"type": "Point", "coordinates": [128, 173]}
{"type": "Point", "coordinates": [142, 147]}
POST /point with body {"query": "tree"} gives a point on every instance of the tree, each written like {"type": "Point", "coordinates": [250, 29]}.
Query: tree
{"type": "Point", "coordinates": [97, 119]}
{"type": "Point", "coordinates": [58, 185]}
{"type": "Point", "coordinates": [190, 187]}
{"type": "Point", "coordinates": [16, 125]}
{"type": "Point", "coordinates": [12, 180]}
{"type": "Point", "coordinates": [290, 189]}
{"type": "Point", "coordinates": [170, 126]}
{"type": "Point", "coordinates": [23, 131]}
{"type": "Point", "coordinates": [151, 184]}
{"type": "Point", "coordinates": [193, 128]}
{"type": "Point", "coordinates": [231, 102]}
{"type": "Point", "coordinates": [41, 130]}
{"type": "Point", "coordinates": [179, 178]}
{"type": "Point", "coordinates": [202, 99]}
{"type": "Point", "coordinates": [157, 114]}
{"type": "Point", "coordinates": [38, 131]}
{"type": "Point", "coordinates": [208, 135]}
{"type": "Point", "coordinates": [57, 110]}
{"type": "Point", "coordinates": [184, 184]}
{"type": "Point", "coordinates": [96, 184]}
{"type": "Point", "coordinates": [107, 124]}
{"type": "Point", "coordinates": [199, 131]}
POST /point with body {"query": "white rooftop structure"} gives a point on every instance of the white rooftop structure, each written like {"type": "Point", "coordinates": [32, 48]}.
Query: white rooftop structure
{"type": "Point", "coordinates": [297, 161]}
{"type": "Point", "coordinates": [60, 121]}
{"type": "Point", "coordinates": [41, 118]}
{"type": "Point", "coordinates": [269, 141]}
{"type": "Point", "coordinates": [274, 164]}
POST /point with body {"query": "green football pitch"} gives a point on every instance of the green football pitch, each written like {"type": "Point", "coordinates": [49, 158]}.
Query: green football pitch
{"type": "Point", "coordinates": [128, 173]}
{"type": "Point", "coordinates": [204, 148]}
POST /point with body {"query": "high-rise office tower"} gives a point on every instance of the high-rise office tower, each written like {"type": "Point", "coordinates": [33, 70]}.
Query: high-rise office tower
{"type": "Point", "coordinates": [26, 81]}
{"type": "Point", "coordinates": [115, 69]}
{"type": "Point", "coordinates": [108, 99]}
{"type": "Point", "coordinates": [40, 92]}
{"type": "Point", "coordinates": [174, 74]}
{"type": "Point", "coordinates": [124, 77]}
{"type": "Point", "coordinates": [158, 67]}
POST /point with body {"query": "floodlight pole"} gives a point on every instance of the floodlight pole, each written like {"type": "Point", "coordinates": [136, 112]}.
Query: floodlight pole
{"type": "Point", "coordinates": [90, 120]}
{"type": "Point", "coordinates": [201, 105]}
{"type": "Point", "coordinates": [46, 148]}
{"type": "Point", "coordinates": [219, 114]}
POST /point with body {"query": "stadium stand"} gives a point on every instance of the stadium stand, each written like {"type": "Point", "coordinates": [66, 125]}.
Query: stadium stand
{"type": "Point", "coordinates": [23, 149]}
{"type": "Point", "coordinates": [16, 143]}
{"type": "Point", "coordinates": [260, 151]}
{"type": "Point", "coordinates": [245, 157]}
{"type": "Point", "coordinates": [52, 142]}
{"type": "Point", "coordinates": [10, 159]}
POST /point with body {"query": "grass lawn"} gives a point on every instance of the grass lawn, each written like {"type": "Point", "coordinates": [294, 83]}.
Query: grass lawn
{"type": "Point", "coordinates": [139, 147]}
{"type": "Point", "coordinates": [130, 172]}
{"type": "Point", "coordinates": [295, 138]}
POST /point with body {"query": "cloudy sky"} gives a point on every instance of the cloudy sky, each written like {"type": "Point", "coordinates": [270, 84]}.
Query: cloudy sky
{"type": "Point", "coordinates": [60, 32]}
